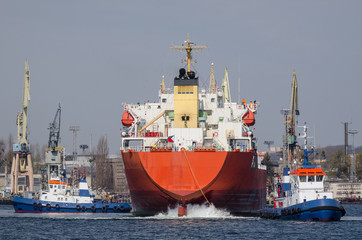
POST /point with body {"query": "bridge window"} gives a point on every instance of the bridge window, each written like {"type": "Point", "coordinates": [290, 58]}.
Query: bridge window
{"type": "Point", "coordinates": [319, 178]}
{"type": "Point", "coordinates": [302, 178]}
{"type": "Point", "coordinates": [185, 118]}
{"type": "Point", "coordinates": [51, 186]}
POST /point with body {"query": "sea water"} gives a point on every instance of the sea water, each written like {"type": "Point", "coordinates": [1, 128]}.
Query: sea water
{"type": "Point", "coordinates": [202, 222]}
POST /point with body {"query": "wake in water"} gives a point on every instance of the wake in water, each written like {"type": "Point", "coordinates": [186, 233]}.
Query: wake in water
{"type": "Point", "coordinates": [195, 211]}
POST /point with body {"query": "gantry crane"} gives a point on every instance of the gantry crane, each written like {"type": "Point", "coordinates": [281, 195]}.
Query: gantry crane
{"type": "Point", "coordinates": [54, 153]}
{"type": "Point", "coordinates": [22, 163]}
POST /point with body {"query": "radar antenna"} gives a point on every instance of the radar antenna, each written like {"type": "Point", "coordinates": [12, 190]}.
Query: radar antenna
{"type": "Point", "coordinates": [187, 48]}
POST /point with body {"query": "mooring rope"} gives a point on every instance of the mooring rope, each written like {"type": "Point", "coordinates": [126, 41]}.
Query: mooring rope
{"type": "Point", "coordinates": [192, 172]}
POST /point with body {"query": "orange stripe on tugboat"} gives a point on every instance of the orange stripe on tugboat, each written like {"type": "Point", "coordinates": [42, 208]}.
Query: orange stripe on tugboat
{"type": "Point", "coordinates": [57, 182]}
{"type": "Point", "coordinates": [306, 171]}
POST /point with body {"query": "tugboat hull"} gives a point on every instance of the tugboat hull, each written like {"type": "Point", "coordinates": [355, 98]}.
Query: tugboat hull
{"type": "Point", "coordinates": [315, 210]}
{"type": "Point", "coordinates": [27, 205]}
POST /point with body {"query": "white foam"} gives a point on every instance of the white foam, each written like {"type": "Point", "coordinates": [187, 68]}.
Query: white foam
{"type": "Point", "coordinates": [195, 212]}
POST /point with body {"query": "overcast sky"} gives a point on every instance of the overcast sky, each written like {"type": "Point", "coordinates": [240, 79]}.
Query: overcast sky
{"type": "Point", "coordinates": [93, 56]}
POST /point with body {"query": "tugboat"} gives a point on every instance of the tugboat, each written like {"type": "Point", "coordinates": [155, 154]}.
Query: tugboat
{"type": "Point", "coordinates": [301, 195]}
{"type": "Point", "coordinates": [60, 200]}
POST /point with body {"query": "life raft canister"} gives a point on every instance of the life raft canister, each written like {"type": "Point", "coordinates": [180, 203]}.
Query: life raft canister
{"type": "Point", "coordinates": [249, 118]}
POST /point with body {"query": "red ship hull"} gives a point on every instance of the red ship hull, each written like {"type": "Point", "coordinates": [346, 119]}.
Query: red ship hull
{"type": "Point", "coordinates": [161, 179]}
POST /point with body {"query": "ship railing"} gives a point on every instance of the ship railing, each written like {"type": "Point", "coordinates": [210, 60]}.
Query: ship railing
{"type": "Point", "coordinates": [136, 149]}
{"type": "Point", "coordinates": [215, 148]}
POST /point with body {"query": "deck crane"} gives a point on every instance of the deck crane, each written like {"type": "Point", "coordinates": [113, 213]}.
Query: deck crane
{"type": "Point", "coordinates": [54, 153]}
{"type": "Point", "coordinates": [212, 85]}
{"type": "Point", "coordinates": [226, 87]}
{"type": "Point", "coordinates": [22, 163]}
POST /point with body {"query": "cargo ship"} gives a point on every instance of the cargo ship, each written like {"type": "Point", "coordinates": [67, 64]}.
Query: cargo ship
{"type": "Point", "coordinates": [193, 146]}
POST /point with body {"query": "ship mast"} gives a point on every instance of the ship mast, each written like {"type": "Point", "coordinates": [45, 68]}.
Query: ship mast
{"type": "Point", "coordinates": [187, 48]}
{"type": "Point", "coordinates": [212, 85]}
{"type": "Point", "coordinates": [163, 90]}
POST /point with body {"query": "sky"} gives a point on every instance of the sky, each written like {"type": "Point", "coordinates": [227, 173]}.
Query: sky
{"type": "Point", "coordinates": [94, 56]}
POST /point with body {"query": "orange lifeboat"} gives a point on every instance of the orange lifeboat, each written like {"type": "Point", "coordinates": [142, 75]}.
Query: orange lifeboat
{"type": "Point", "coordinates": [127, 119]}
{"type": "Point", "coordinates": [249, 118]}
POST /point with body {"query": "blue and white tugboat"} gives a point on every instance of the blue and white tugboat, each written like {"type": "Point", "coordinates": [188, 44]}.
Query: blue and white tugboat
{"type": "Point", "coordinates": [301, 195]}
{"type": "Point", "coordinates": [59, 199]}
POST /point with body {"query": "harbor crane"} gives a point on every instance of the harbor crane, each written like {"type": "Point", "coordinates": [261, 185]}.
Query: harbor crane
{"type": "Point", "coordinates": [22, 163]}
{"type": "Point", "coordinates": [290, 139]}
{"type": "Point", "coordinates": [54, 153]}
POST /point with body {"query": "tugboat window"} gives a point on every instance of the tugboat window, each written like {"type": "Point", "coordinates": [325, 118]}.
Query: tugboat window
{"type": "Point", "coordinates": [51, 186]}
{"type": "Point", "coordinates": [319, 178]}
{"type": "Point", "coordinates": [311, 178]}
{"type": "Point", "coordinates": [302, 178]}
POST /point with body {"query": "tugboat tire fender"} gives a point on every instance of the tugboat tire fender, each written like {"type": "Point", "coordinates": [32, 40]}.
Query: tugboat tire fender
{"type": "Point", "coordinates": [93, 208]}
{"type": "Point", "coordinates": [57, 206]}
{"type": "Point", "coordinates": [40, 206]}
{"type": "Point", "coordinates": [35, 205]}
{"type": "Point", "coordinates": [48, 206]}
{"type": "Point", "coordinates": [77, 207]}
{"type": "Point", "coordinates": [84, 209]}
{"type": "Point", "coordinates": [104, 208]}
{"type": "Point", "coordinates": [282, 212]}
{"type": "Point", "coordinates": [121, 207]}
